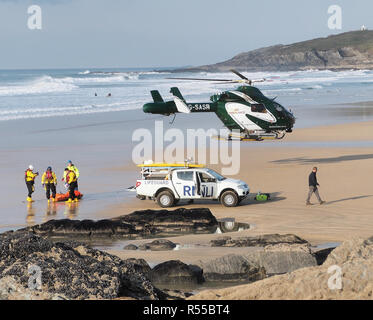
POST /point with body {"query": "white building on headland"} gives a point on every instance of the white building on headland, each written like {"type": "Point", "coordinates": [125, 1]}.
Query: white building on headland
{"type": "Point", "coordinates": [363, 28]}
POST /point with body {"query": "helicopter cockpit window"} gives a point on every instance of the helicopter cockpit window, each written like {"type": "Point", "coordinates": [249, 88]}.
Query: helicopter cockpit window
{"type": "Point", "coordinates": [279, 108]}
{"type": "Point", "coordinates": [258, 108]}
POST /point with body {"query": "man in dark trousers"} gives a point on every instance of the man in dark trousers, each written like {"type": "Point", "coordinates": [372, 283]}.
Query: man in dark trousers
{"type": "Point", "coordinates": [312, 182]}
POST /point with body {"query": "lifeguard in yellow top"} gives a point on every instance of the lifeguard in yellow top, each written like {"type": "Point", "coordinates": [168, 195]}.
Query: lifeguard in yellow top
{"type": "Point", "coordinates": [30, 176]}
{"type": "Point", "coordinates": [49, 182]}
{"type": "Point", "coordinates": [72, 167]}
{"type": "Point", "coordinates": [72, 181]}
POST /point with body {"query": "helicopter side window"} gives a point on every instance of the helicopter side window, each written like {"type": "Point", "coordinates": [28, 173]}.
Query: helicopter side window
{"type": "Point", "coordinates": [258, 108]}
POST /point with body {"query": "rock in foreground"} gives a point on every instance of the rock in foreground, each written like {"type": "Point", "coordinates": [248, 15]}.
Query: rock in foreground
{"type": "Point", "coordinates": [258, 264]}
{"type": "Point", "coordinates": [232, 268]}
{"type": "Point", "coordinates": [134, 225]}
{"type": "Point", "coordinates": [158, 245]}
{"type": "Point", "coordinates": [258, 241]}
{"type": "Point", "coordinates": [354, 258]}
{"type": "Point", "coordinates": [175, 272]}
{"type": "Point", "coordinates": [283, 258]}
{"type": "Point", "coordinates": [72, 270]}
{"type": "Point", "coordinates": [10, 289]}
{"type": "Point", "coordinates": [171, 222]}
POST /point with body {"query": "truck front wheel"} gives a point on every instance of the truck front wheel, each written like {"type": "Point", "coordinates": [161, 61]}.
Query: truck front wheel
{"type": "Point", "coordinates": [229, 199]}
{"type": "Point", "coordinates": [165, 199]}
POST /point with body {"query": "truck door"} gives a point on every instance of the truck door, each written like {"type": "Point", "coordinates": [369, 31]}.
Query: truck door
{"type": "Point", "coordinates": [208, 185]}
{"type": "Point", "coordinates": [185, 184]}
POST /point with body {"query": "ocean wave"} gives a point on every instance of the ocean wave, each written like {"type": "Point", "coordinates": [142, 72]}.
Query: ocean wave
{"type": "Point", "coordinates": [44, 84]}
{"type": "Point", "coordinates": [87, 80]}
{"type": "Point", "coordinates": [107, 75]}
{"type": "Point", "coordinates": [32, 113]}
{"type": "Point", "coordinates": [316, 86]}
{"type": "Point", "coordinates": [48, 84]}
{"type": "Point", "coordinates": [85, 72]}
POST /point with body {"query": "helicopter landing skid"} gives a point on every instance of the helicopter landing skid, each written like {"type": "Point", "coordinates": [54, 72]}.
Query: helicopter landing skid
{"type": "Point", "coordinates": [277, 135]}
{"type": "Point", "coordinates": [229, 138]}
{"type": "Point", "coordinates": [253, 137]}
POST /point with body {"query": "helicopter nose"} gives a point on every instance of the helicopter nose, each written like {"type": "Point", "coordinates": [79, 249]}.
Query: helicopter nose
{"type": "Point", "coordinates": [291, 120]}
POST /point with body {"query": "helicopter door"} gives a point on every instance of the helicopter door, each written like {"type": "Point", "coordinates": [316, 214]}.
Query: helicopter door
{"type": "Point", "coordinates": [185, 184]}
{"type": "Point", "coordinates": [238, 113]}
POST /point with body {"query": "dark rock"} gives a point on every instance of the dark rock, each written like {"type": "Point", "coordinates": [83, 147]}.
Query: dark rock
{"type": "Point", "coordinates": [322, 254]}
{"type": "Point", "coordinates": [140, 265]}
{"type": "Point", "coordinates": [175, 272]}
{"type": "Point", "coordinates": [258, 241]}
{"type": "Point", "coordinates": [84, 228]}
{"type": "Point", "coordinates": [165, 222]}
{"type": "Point", "coordinates": [232, 268]}
{"type": "Point", "coordinates": [283, 258]}
{"type": "Point", "coordinates": [72, 269]}
{"type": "Point", "coordinates": [158, 245]}
{"type": "Point", "coordinates": [10, 289]}
{"type": "Point", "coordinates": [177, 294]}
{"type": "Point", "coordinates": [130, 247]}
{"type": "Point", "coordinates": [135, 225]}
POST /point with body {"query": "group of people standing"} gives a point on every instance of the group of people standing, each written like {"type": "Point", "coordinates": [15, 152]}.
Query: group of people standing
{"type": "Point", "coordinates": [49, 182]}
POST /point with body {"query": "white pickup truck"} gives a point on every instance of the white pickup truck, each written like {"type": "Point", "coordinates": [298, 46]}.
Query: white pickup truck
{"type": "Point", "coordinates": [169, 184]}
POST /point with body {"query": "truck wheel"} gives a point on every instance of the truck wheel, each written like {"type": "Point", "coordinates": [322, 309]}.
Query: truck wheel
{"type": "Point", "coordinates": [165, 199]}
{"type": "Point", "coordinates": [229, 199]}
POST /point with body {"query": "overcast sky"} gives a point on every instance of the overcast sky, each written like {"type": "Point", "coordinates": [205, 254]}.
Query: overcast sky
{"type": "Point", "coordinates": [161, 33]}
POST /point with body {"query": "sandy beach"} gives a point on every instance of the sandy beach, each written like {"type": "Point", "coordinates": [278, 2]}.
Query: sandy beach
{"type": "Point", "coordinates": [343, 153]}
{"type": "Point", "coordinates": [344, 176]}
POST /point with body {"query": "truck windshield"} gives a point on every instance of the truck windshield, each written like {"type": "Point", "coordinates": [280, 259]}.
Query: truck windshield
{"type": "Point", "coordinates": [216, 175]}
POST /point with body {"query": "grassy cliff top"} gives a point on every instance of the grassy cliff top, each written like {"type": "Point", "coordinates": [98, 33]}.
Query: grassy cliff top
{"type": "Point", "coordinates": [360, 40]}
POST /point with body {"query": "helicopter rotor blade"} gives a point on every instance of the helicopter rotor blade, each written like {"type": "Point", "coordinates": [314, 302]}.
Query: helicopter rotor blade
{"type": "Point", "coordinates": [200, 79]}
{"type": "Point", "coordinates": [239, 74]}
{"type": "Point", "coordinates": [235, 81]}
{"type": "Point", "coordinates": [223, 81]}
{"type": "Point", "coordinates": [259, 80]}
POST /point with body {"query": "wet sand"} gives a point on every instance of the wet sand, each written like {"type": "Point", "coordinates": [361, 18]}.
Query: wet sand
{"type": "Point", "coordinates": [346, 185]}
{"type": "Point", "coordinates": [101, 150]}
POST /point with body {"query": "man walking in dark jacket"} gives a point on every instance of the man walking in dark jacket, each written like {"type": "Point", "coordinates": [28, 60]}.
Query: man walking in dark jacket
{"type": "Point", "coordinates": [312, 183]}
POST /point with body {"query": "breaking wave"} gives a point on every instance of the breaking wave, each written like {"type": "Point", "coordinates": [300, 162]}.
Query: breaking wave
{"type": "Point", "coordinates": [48, 84]}
{"type": "Point", "coordinates": [44, 84]}
{"type": "Point", "coordinates": [29, 113]}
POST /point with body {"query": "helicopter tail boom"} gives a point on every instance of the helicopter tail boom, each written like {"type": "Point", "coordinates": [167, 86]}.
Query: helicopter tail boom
{"type": "Point", "coordinates": [177, 105]}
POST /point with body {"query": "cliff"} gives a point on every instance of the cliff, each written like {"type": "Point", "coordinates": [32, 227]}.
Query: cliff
{"type": "Point", "coordinates": [349, 50]}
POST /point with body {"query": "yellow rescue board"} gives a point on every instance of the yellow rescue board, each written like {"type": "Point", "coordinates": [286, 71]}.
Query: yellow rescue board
{"type": "Point", "coordinates": [175, 165]}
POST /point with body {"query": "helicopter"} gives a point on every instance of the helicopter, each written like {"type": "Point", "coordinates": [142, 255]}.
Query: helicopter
{"type": "Point", "coordinates": [245, 109]}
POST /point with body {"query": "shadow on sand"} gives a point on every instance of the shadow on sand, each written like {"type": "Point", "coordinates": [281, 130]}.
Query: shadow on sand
{"type": "Point", "coordinates": [347, 199]}
{"type": "Point", "coordinates": [303, 160]}
{"type": "Point", "coordinates": [275, 196]}
{"type": "Point", "coordinates": [250, 200]}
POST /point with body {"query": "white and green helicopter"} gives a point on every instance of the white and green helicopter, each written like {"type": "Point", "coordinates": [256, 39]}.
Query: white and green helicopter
{"type": "Point", "coordinates": [245, 109]}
